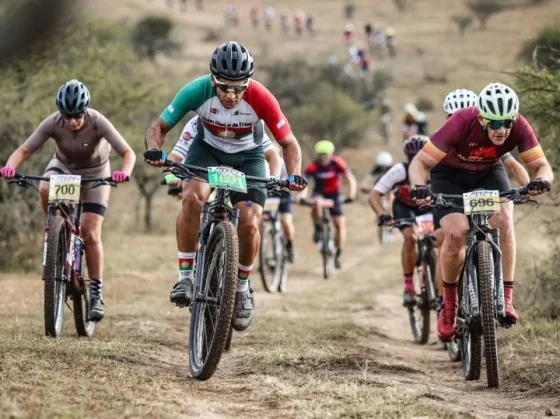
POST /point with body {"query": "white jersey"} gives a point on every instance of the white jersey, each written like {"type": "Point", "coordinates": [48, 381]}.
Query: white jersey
{"type": "Point", "coordinates": [395, 175]}
{"type": "Point", "coordinates": [191, 130]}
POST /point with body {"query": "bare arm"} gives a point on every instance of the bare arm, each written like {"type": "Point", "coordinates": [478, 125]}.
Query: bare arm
{"type": "Point", "coordinates": [175, 157]}
{"type": "Point", "coordinates": [419, 169]}
{"type": "Point", "coordinates": [517, 170]}
{"type": "Point", "coordinates": [292, 154]}
{"type": "Point", "coordinates": [21, 154]}
{"type": "Point", "coordinates": [129, 159]}
{"type": "Point", "coordinates": [274, 161]}
{"type": "Point", "coordinates": [376, 203]}
{"type": "Point", "coordinates": [350, 179]}
{"type": "Point", "coordinates": [155, 135]}
{"type": "Point", "coordinates": [540, 168]}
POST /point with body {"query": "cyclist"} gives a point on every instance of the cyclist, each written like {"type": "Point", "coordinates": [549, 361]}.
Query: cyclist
{"type": "Point", "coordinates": [464, 155]}
{"type": "Point", "coordinates": [230, 105]}
{"type": "Point", "coordinates": [454, 101]}
{"type": "Point", "coordinates": [403, 211]}
{"type": "Point", "coordinates": [326, 171]}
{"type": "Point", "coordinates": [84, 138]}
{"type": "Point", "coordinates": [383, 163]}
{"type": "Point", "coordinates": [414, 122]}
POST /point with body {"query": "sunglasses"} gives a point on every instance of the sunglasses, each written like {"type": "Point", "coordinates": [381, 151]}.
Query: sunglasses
{"type": "Point", "coordinates": [235, 88]}
{"type": "Point", "coordinates": [496, 125]}
{"type": "Point", "coordinates": [74, 116]}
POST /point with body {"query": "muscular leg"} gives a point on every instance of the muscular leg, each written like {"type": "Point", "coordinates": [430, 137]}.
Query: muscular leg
{"type": "Point", "coordinates": [409, 252]}
{"type": "Point", "coordinates": [339, 231]}
{"type": "Point", "coordinates": [288, 227]}
{"type": "Point", "coordinates": [195, 194]}
{"type": "Point", "coordinates": [439, 275]}
{"type": "Point", "coordinates": [91, 233]}
{"type": "Point", "coordinates": [248, 232]}
{"type": "Point", "coordinates": [44, 195]}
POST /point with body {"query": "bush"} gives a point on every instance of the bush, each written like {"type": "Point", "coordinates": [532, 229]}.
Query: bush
{"type": "Point", "coordinates": [29, 86]}
{"type": "Point", "coordinates": [463, 22]}
{"type": "Point", "coordinates": [484, 9]}
{"type": "Point", "coordinates": [544, 49]}
{"type": "Point", "coordinates": [151, 36]}
{"type": "Point", "coordinates": [349, 9]}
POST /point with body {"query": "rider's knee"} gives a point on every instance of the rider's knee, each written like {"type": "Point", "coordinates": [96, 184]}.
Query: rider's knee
{"type": "Point", "coordinates": [410, 237]}
{"type": "Point", "coordinates": [44, 190]}
{"type": "Point", "coordinates": [249, 224]}
{"type": "Point", "coordinates": [191, 202]}
{"type": "Point", "coordinates": [91, 235]}
{"type": "Point", "coordinates": [455, 239]}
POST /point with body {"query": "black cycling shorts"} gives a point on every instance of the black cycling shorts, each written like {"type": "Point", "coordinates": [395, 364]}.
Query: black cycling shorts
{"type": "Point", "coordinates": [406, 214]}
{"type": "Point", "coordinates": [337, 210]}
{"type": "Point", "coordinates": [448, 180]}
{"type": "Point", "coordinates": [285, 206]}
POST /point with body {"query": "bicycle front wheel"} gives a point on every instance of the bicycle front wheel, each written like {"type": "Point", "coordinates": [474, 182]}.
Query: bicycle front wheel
{"type": "Point", "coordinates": [53, 276]}
{"type": "Point", "coordinates": [419, 313]}
{"type": "Point", "coordinates": [269, 269]}
{"type": "Point", "coordinates": [469, 339]}
{"type": "Point", "coordinates": [214, 300]}
{"type": "Point", "coordinates": [327, 252]}
{"type": "Point", "coordinates": [486, 281]}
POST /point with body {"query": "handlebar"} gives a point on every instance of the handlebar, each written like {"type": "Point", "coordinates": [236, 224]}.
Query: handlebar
{"type": "Point", "coordinates": [25, 180]}
{"type": "Point", "coordinates": [514, 195]}
{"type": "Point", "coordinates": [183, 171]}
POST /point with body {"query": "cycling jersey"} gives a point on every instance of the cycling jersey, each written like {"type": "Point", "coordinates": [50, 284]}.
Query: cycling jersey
{"type": "Point", "coordinates": [194, 129]}
{"type": "Point", "coordinates": [84, 149]}
{"type": "Point", "coordinates": [228, 130]}
{"type": "Point", "coordinates": [327, 178]}
{"type": "Point", "coordinates": [396, 180]}
{"type": "Point", "coordinates": [462, 143]}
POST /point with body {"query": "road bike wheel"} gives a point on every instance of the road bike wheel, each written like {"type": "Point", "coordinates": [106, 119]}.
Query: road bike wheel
{"type": "Point", "coordinates": [327, 252]}
{"type": "Point", "coordinates": [469, 339]}
{"type": "Point", "coordinates": [214, 300]}
{"type": "Point", "coordinates": [55, 286]}
{"type": "Point", "coordinates": [269, 270]}
{"type": "Point", "coordinates": [419, 315]}
{"type": "Point", "coordinates": [485, 270]}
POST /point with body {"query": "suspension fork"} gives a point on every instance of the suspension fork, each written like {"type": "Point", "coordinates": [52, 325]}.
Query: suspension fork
{"type": "Point", "coordinates": [498, 275]}
{"type": "Point", "coordinates": [470, 266]}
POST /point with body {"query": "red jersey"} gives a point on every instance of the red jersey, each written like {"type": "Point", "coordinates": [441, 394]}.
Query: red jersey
{"type": "Point", "coordinates": [463, 144]}
{"type": "Point", "coordinates": [327, 178]}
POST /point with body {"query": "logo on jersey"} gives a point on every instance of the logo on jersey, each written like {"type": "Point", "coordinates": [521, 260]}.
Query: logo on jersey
{"type": "Point", "coordinates": [214, 111]}
{"type": "Point", "coordinates": [281, 123]}
{"type": "Point", "coordinates": [171, 109]}
{"type": "Point", "coordinates": [187, 136]}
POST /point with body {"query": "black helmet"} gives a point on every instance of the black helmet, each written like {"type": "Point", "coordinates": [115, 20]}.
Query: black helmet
{"type": "Point", "coordinates": [232, 61]}
{"type": "Point", "coordinates": [414, 144]}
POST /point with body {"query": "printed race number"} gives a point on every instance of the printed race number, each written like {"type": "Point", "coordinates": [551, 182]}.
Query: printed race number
{"type": "Point", "coordinates": [481, 202]}
{"type": "Point", "coordinates": [425, 224]}
{"type": "Point", "coordinates": [227, 178]}
{"type": "Point", "coordinates": [65, 188]}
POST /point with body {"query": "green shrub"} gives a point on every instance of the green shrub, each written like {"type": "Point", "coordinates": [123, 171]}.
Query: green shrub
{"type": "Point", "coordinates": [544, 48]}
{"type": "Point", "coordinates": [152, 35]}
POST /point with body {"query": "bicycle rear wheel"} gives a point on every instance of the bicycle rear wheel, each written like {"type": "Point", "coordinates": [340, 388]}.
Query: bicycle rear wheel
{"type": "Point", "coordinates": [419, 314]}
{"type": "Point", "coordinates": [486, 288]}
{"type": "Point", "coordinates": [214, 300]}
{"type": "Point", "coordinates": [469, 338]}
{"type": "Point", "coordinates": [269, 269]}
{"type": "Point", "coordinates": [53, 271]}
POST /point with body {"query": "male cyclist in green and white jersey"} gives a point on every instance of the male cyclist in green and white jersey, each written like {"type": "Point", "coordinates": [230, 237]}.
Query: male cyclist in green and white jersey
{"type": "Point", "coordinates": [230, 105]}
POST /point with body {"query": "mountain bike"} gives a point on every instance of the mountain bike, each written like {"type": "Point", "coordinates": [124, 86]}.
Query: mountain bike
{"type": "Point", "coordinates": [419, 313]}
{"type": "Point", "coordinates": [272, 250]}
{"type": "Point", "coordinates": [216, 264]}
{"type": "Point", "coordinates": [326, 243]}
{"type": "Point", "coordinates": [481, 290]}
{"type": "Point", "coordinates": [63, 251]}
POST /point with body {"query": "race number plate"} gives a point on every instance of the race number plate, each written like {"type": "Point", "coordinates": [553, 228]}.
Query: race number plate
{"type": "Point", "coordinates": [483, 201]}
{"type": "Point", "coordinates": [272, 204]}
{"type": "Point", "coordinates": [227, 178]}
{"type": "Point", "coordinates": [65, 188]}
{"type": "Point", "coordinates": [425, 224]}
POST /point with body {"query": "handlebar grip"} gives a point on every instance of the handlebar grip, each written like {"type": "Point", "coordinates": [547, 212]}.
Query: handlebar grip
{"type": "Point", "coordinates": [523, 190]}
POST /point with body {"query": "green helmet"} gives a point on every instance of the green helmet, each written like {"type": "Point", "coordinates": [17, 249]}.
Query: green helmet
{"type": "Point", "coordinates": [324, 147]}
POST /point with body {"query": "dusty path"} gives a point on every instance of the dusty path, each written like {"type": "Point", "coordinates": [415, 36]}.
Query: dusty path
{"type": "Point", "coordinates": [338, 348]}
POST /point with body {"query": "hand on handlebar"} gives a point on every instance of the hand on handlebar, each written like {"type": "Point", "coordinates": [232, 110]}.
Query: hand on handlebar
{"type": "Point", "coordinates": [422, 194]}
{"type": "Point", "coordinates": [297, 183]}
{"type": "Point", "coordinates": [538, 186]}
{"type": "Point", "coordinates": [7, 172]}
{"type": "Point", "coordinates": [119, 177]}
{"type": "Point", "coordinates": [384, 219]}
{"type": "Point", "coordinates": [155, 157]}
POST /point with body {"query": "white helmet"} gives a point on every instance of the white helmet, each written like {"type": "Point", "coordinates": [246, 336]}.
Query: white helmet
{"type": "Point", "coordinates": [498, 102]}
{"type": "Point", "coordinates": [384, 159]}
{"type": "Point", "coordinates": [459, 99]}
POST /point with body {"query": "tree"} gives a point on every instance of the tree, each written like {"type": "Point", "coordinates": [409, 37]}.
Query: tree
{"type": "Point", "coordinates": [484, 9]}
{"type": "Point", "coordinates": [151, 36]}
{"type": "Point", "coordinates": [463, 22]}
{"type": "Point", "coordinates": [544, 49]}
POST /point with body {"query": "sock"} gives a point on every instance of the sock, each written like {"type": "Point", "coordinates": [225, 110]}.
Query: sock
{"type": "Point", "coordinates": [186, 264]}
{"type": "Point", "coordinates": [96, 287]}
{"type": "Point", "coordinates": [508, 290]}
{"type": "Point", "coordinates": [408, 281]}
{"type": "Point", "coordinates": [450, 293]}
{"type": "Point", "coordinates": [338, 252]}
{"type": "Point", "coordinates": [243, 276]}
